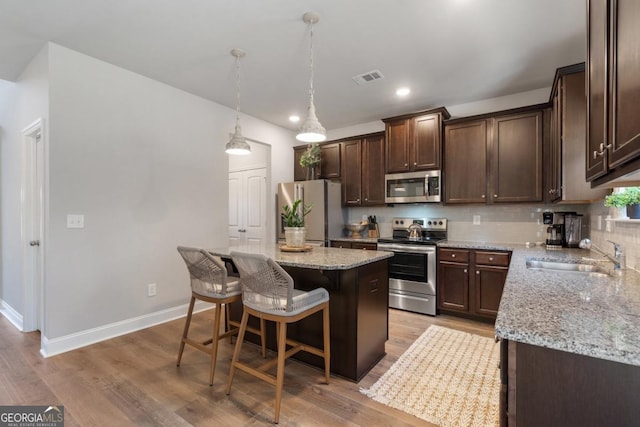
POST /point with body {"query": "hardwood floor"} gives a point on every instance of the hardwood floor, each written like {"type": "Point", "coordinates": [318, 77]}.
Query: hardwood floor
{"type": "Point", "coordinates": [133, 380]}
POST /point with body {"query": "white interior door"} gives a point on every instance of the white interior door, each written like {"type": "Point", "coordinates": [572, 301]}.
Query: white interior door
{"type": "Point", "coordinates": [248, 207]}
{"type": "Point", "coordinates": [33, 225]}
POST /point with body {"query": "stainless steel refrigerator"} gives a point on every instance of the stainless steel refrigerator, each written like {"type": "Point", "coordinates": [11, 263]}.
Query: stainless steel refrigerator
{"type": "Point", "coordinates": [327, 217]}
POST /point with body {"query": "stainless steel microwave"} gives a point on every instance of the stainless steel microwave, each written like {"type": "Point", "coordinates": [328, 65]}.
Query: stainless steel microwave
{"type": "Point", "coordinates": [412, 187]}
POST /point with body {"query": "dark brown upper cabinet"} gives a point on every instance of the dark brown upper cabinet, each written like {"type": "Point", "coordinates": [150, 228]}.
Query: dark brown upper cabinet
{"type": "Point", "coordinates": [494, 158]}
{"type": "Point", "coordinates": [613, 90]}
{"type": "Point", "coordinates": [565, 158]}
{"type": "Point", "coordinates": [363, 170]}
{"type": "Point", "coordinates": [330, 159]}
{"type": "Point", "coordinates": [414, 141]}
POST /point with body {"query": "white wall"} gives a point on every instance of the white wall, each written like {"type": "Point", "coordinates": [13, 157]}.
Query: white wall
{"type": "Point", "coordinates": [145, 163]}
{"type": "Point", "coordinates": [532, 97]}
{"type": "Point", "coordinates": [21, 104]}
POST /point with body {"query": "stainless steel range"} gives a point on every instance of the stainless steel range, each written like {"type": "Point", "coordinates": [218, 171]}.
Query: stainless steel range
{"type": "Point", "coordinates": [412, 270]}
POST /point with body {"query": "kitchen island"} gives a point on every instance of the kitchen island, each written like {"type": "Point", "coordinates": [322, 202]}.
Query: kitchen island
{"type": "Point", "coordinates": [358, 286]}
{"type": "Point", "coordinates": [570, 342]}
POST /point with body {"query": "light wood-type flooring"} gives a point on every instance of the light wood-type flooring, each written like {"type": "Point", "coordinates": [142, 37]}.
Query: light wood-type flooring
{"type": "Point", "coordinates": [133, 380]}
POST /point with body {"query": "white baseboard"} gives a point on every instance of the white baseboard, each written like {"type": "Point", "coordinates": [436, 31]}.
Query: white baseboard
{"type": "Point", "coordinates": [11, 314]}
{"type": "Point", "coordinates": [52, 347]}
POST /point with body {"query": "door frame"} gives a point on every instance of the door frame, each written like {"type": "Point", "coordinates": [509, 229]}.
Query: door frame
{"type": "Point", "coordinates": [33, 195]}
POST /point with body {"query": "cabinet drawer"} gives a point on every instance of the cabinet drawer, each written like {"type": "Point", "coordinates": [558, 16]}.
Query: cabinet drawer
{"type": "Point", "coordinates": [340, 244]}
{"type": "Point", "coordinates": [365, 246]}
{"type": "Point", "coordinates": [492, 258]}
{"type": "Point", "coordinates": [458, 255]}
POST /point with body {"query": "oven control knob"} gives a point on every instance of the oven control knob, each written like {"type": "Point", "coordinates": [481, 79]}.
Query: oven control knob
{"type": "Point", "coordinates": [429, 222]}
{"type": "Point", "coordinates": [440, 222]}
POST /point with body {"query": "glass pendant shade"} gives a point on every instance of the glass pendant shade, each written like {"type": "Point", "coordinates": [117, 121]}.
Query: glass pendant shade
{"type": "Point", "coordinates": [238, 145]}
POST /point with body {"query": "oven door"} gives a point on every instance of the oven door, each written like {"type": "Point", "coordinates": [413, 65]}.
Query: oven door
{"type": "Point", "coordinates": [412, 268]}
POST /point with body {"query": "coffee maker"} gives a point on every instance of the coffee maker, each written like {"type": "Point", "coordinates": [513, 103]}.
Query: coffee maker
{"type": "Point", "coordinates": [558, 235]}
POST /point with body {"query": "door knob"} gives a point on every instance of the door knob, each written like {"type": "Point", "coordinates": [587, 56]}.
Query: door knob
{"type": "Point", "coordinates": [34, 243]}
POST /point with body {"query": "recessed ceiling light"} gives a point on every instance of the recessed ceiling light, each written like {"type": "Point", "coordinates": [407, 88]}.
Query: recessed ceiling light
{"type": "Point", "coordinates": [294, 118]}
{"type": "Point", "coordinates": [403, 91]}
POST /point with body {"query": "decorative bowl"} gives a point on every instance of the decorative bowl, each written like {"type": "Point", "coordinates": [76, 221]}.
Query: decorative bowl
{"type": "Point", "coordinates": [356, 228]}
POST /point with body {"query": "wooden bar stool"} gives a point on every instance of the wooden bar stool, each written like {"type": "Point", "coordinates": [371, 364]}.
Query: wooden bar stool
{"type": "Point", "coordinates": [268, 293]}
{"type": "Point", "coordinates": [209, 283]}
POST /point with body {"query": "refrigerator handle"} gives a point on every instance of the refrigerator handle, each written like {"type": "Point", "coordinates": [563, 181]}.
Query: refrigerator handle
{"type": "Point", "coordinates": [299, 194]}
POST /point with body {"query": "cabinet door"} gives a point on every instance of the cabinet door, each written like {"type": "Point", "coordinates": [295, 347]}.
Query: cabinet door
{"type": "Point", "coordinates": [453, 286]}
{"type": "Point", "coordinates": [625, 82]}
{"type": "Point", "coordinates": [373, 171]}
{"type": "Point", "coordinates": [516, 158]}
{"type": "Point", "coordinates": [488, 284]}
{"type": "Point", "coordinates": [397, 152]}
{"type": "Point", "coordinates": [465, 167]}
{"type": "Point", "coordinates": [426, 138]}
{"type": "Point", "coordinates": [597, 30]}
{"type": "Point", "coordinates": [299, 173]}
{"type": "Point", "coordinates": [330, 161]}
{"type": "Point", "coordinates": [351, 173]}
{"type": "Point", "coordinates": [555, 154]}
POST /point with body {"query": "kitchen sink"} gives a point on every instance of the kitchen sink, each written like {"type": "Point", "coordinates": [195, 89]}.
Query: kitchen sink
{"type": "Point", "coordinates": [567, 267]}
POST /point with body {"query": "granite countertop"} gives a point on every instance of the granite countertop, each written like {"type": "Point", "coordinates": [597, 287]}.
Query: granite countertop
{"type": "Point", "coordinates": [577, 313]}
{"type": "Point", "coordinates": [318, 257]}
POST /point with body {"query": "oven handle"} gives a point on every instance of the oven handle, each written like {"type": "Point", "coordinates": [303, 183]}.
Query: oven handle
{"type": "Point", "coordinates": [406, 248]}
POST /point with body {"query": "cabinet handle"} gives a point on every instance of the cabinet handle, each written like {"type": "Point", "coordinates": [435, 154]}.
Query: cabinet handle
{"type": "Point", "coordinates": [366, 199]}
{"type": "Point", "coordinates": [477, 271]}
{"type": "Point", "coordinates": [495, 195]}
{"type": "Point", "coordinates": [358, 200]}
{"type": "Point", "coordinates": [415, 163]}
{"type": "Point", "coordinates": [553, 191]}
{"type": "Point", "coordinates": [406, 164]}
{"type": "Point", "coordinates": [603, 148]}
{"type": "Point", "coordinates": [483, 196]}
{"type": "Point", "coordinates": [465, 270]}
{"type": "Point", "coordinates": [490, 258]}
{"type": "Point", "coordinates": [453, 255]}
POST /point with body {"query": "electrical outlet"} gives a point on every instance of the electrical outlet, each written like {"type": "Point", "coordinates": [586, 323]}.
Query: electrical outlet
{"type": "Point", "coordinates": [476, 220]}
{"type": "Point", "coordinates": [151, 289]}
{"type": "Point", "coordinates": [75, 221]}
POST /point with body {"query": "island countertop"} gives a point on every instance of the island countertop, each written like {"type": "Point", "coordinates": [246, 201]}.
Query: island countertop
{"type": "Point", "coordinates": [581, 314]}
{"type": "Point", "coordinates": [317, 258]}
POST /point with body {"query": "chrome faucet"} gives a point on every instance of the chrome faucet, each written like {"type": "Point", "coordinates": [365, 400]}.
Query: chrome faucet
{"type": "Point", "coordinates": [617, 259]}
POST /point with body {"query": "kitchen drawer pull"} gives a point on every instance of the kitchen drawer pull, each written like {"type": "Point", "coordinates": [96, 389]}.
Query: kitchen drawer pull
{"type": "Point", "coordinates": [453, 255]}
{"type": "Point", "coordinates": [477, 271]}
{"type": "Point", "coordinates": [465, 270]}
{"type": "Point", "coordinates": [490, 258]}
{"type": "Point", "coordinates": [483, 196]}
{"type": "Point", "coordinates": [495, 195]}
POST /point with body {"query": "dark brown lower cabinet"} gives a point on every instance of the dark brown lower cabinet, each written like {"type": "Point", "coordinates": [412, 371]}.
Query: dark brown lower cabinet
{"type": "Point", "coordinates": [359, 317]}
{"type": "Point", "coordinates": [470, 282]}
{"type": "Point", "coordinates": [545, 387]}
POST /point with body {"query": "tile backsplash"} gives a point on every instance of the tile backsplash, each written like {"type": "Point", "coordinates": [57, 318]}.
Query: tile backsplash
{"type": "Point", "coordinates": [626, 233]}
{"type": "Point", "coordinates": [498, 223]}
{"type": "Point", "coordinates": [515, 223]}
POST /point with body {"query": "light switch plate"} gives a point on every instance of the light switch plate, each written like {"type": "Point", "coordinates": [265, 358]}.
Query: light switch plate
{"type": "Point", "coordinates": [75, 221]}
{"type": "Point", "coordinates": [476, 220]}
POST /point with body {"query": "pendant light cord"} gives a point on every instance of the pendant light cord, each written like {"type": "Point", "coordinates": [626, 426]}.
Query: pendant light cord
{"type": "Point", "coordinates": [237, 89]}
{"type": "Point", "coordinates": [311, 60]}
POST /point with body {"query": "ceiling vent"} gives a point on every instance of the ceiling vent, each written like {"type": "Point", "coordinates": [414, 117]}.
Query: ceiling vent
{"type": "Point", "coordinates": [368, 77]}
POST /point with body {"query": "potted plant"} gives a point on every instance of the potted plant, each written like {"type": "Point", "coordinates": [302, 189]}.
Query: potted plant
{"type": "Point", "coordinates": [310, 159]}
{"type": "Point", "coordinates": [629, 197]}
{"type": "Point", "coordinates": [295, 232]}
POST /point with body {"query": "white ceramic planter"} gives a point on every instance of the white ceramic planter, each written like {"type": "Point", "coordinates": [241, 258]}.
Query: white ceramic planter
{"type": "Point", "coordinates": [295, 237]}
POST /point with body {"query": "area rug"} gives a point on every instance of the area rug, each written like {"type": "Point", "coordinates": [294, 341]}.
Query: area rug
{"type": "Point", "coordinates": [447, 377]}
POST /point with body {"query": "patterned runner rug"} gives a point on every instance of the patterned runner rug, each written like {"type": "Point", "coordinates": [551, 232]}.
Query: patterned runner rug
{"type": "Point", "coordinates": [446, 377]}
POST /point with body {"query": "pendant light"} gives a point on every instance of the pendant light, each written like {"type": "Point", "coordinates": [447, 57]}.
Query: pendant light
{"type": "Point", "coordinates": [311, 130]}
{"type": "Point", "coordinates": [238, 144]}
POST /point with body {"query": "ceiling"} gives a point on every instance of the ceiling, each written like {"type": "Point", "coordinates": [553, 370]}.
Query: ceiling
{"type": "Point", "coordinates": [448, 52]}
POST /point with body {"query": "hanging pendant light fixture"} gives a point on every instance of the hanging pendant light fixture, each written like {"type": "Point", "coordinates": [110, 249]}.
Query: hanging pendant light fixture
{"type": "Point", "coordinates": [311, 130]}
{"type": "Point", "coordinates": [238, 144]}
